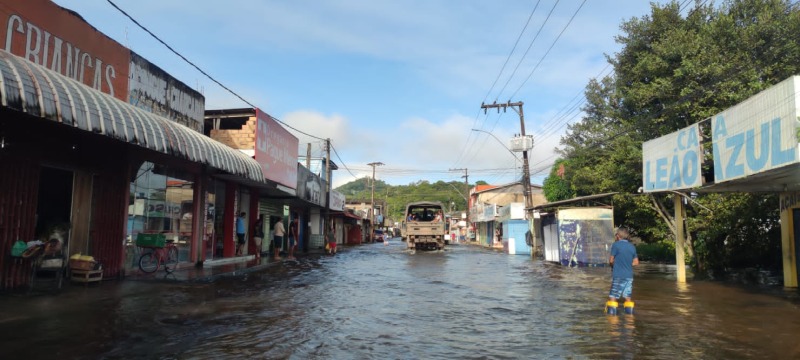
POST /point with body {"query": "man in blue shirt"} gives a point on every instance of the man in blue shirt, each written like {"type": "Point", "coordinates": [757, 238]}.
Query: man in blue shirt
{"type": "Point", "coordinates": [623, 259]}
{"type": "Point", "coordinates": [240, 230]}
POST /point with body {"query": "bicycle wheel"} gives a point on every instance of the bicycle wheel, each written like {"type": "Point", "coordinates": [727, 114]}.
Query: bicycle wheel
{"type": "Point", "coordinates": [148, 262]}
{"type": "Point", "coordinates": [171, 262]}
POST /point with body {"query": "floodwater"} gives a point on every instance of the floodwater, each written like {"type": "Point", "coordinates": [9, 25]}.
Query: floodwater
{"type": "Point", "coordinates": [381, 302]}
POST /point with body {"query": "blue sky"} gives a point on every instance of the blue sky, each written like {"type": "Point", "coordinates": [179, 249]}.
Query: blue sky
{"type": "Point", "coordinates": [399, 82]}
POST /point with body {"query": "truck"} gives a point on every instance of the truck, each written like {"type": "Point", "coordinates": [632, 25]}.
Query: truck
{"type": "Point", "coordinates": [424, 226]}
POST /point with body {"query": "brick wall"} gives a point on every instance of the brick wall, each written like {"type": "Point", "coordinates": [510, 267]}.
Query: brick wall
{"type": "Point", "coordinates": [244, 138]}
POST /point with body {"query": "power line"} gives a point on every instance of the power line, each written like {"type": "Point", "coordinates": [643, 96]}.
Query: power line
{"type": "Point", "coordinates": [467, 143]}
{"type": "Point", "coordinates": [548, 50]}
{"type": "Point", "coordinates": [514, 48]}
{"type": "Point", "coordinates": [526, 51]}
{"type": "Point", "coordinates": [342, 161]}
{"type": "Point", "coordinates": [201, 70]}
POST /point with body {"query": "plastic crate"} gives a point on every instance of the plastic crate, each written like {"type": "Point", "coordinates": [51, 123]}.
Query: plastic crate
{"type": "Point", "coordinates": [151, 240]}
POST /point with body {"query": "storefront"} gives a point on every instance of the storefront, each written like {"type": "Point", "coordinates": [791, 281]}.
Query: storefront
{"type": "Point", "coordinates": [255, 134]}
{"type": "Point", "coordinates": [110, 173]}
{"type": "Point", "coordinates": [756, 149]}
{"type": "Point", "coordinates": [76, 157]}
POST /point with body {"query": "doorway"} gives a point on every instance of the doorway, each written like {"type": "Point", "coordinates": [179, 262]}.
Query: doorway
{"type": "Point", "coordinates": [796, 226]}
{"type": "Point", "coordinates": [54, 205]}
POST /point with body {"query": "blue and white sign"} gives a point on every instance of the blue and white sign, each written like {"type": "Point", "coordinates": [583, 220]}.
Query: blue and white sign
{"type": "Point", "coordinates": [757, 135]}
{"type": "Point", "coordinates": [672, 161]}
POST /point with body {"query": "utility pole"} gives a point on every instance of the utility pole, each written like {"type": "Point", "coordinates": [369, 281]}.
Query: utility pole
{"type": "Point", "coordinates": [372, 200]}
{"type": "Point", "coordinates": [526, 176]}
{"type": "Point", "coordinates": [328, 192]}
{"type": "Point", "coordinates": [308, 156]}
{"type": "Point", "coordinates": [466, 185]}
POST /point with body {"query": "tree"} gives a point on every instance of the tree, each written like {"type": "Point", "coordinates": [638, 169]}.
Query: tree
{"type": "Point", "coordinates": [555, 188]}
{"type": "Point", "coordinates": [675, 70]}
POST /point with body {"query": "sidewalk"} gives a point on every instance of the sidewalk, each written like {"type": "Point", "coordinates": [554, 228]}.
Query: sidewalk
{"type": "Point", "coordinates": [212, 270]}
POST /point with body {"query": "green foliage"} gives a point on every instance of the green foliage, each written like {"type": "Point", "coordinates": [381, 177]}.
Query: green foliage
{"type": "Point", "coordinates": [661, 252]}
{"type": "Point", "coordinates": [676, 69]}
{"type": "Point", "coordinates": [452, 194]}
{"type": "Point", "coordinates": [555, 187]}
{"type": "Point", "coordinates": [737, 231]}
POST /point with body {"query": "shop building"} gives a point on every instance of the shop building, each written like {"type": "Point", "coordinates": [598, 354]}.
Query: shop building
{"type": "Point", "coordinates": [486, 204]}
{"type": "Point", "coordinates": [97, 140]}
{"type": "Point", "coordinates": [756, 149]}
{"type": "Point", "coordinates": [258, 135]}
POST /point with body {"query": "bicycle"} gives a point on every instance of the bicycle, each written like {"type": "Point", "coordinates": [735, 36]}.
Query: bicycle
{"type": "Point", "coordinates": [150, 261]}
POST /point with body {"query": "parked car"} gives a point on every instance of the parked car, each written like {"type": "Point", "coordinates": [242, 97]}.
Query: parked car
{"type": "Point", "coordinates": [377, 235]}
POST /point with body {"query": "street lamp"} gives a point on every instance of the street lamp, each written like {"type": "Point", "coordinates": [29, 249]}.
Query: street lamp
{"type": "Point", "coordinates": [501, 143]}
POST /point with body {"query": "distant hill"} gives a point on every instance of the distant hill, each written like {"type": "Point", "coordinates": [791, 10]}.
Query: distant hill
{"type": "Point", "coordinates": [396, 197]}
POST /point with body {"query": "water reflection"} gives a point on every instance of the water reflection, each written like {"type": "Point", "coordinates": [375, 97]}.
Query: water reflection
{"type": "Point", "coordinates": [378, 301]}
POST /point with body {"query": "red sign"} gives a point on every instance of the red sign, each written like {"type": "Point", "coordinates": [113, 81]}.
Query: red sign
{"type": "Point", "coordinates": [276, 151]}
{"type": "Point", "coordinates": [60, 40]}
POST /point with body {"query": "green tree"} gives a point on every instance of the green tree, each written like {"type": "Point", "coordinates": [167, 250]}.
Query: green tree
{"type": "Point", "coordinates": [675, 69]}
{"type": "Point", "coordinates": [555, 188]}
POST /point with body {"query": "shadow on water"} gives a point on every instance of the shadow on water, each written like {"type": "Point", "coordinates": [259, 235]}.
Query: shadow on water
{"type": "Point", "coordinates": [379, 301]}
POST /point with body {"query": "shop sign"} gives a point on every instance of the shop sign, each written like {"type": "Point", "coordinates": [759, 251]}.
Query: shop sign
{"type": "Point", "coordinates": [672, 161]}
{"type": "Point", "coordinates": [789, 200]}
{"type": "Point", "coordinates": [276, 151]}
{"type": "Point", "coordinates": [337, 201]}
{"type": "Point", "coordinates": [51, 36]}
{"type": "Point", "coordinates": [484, 212]}
{"type": "Point", "coordinates": [757, 135]}
{"type": "Point", "coordinates": [512, 211]}
{"type": "Point", "coordinates": [160, 208]}
{"type": "Point", "coordinates": [309, 186]}
{"type": "Point", "coordinates": [157, 92]}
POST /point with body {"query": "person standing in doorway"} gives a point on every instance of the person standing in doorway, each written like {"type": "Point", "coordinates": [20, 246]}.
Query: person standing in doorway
{"type": "Point", "coordinates": [240, 231]}
{"type": "Point", "coordinates": [258, 233]}
{"type": "Point", "coordinates": [294, 231]}
{"type": "Point", "coordinates": [623, 258]}
{"type": "Point", "coordinates": [277, 241]}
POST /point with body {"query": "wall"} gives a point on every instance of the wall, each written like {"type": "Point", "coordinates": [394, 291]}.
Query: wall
{"type": "Point", "coordinates": [243, 139]}
{"type": "Point", "coordinates": [154, 90]}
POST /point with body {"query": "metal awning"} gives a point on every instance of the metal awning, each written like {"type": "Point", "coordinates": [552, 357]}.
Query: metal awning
{"type": "Point", "coordinates": [573, 201]}
{"type": "Point", "coordinates": [38, 91]}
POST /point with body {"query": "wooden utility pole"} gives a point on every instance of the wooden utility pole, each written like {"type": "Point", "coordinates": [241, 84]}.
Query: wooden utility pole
{"type": "Point", "coordinates": [526, 176]}
{"type": "Point", "coordinates": [466, 198]}
{"type": "Point", "coordinates": [372, 200]}
{"type": "Point", "coordinates": [327, 192]}
{"type": "Point", "coordinates": [308, 156]}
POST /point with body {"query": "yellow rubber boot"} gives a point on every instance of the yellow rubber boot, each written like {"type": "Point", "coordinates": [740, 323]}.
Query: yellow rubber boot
{"type": "Point", "coordinates": [611, 307]}
{"type": "Point", "coordinates": [628, 307]}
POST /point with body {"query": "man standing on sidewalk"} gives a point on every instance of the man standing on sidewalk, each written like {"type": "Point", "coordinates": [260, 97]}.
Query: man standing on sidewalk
{"type": "Point", "coordinates": [258, 234]}
{"type": "Point", "coordinates": [240, 230]}
{"type": "Point", "coordinates": [293, 232]}
{"type": "Point", "coordinates": [277, 241]}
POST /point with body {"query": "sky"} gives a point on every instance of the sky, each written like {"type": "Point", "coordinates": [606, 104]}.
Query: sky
{"type": "Point", "coordinates": [397, 82]}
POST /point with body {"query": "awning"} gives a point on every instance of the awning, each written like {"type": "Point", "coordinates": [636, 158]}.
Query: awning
{"type": "Point", "coordinates": [572, 201]}
{"type": "Point", "coordinates": [38, 91]}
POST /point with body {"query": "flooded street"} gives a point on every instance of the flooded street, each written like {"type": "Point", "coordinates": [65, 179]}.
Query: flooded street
{"type": "Point", "coordinates": [380, 302]}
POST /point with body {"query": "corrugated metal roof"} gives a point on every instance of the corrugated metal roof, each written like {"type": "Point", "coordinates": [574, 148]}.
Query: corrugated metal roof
{"type": "Point", "coordinates": [38, 91]}
{"type": "Point", "coordinates": [573, 200]}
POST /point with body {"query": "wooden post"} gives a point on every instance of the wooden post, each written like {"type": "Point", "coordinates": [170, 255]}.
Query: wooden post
{"type": "Point", "coordinates": [680, 238]}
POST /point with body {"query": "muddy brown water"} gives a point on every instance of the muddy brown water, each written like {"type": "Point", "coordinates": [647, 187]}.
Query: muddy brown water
{"type": "Point", "coordinates": [380, 302]}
